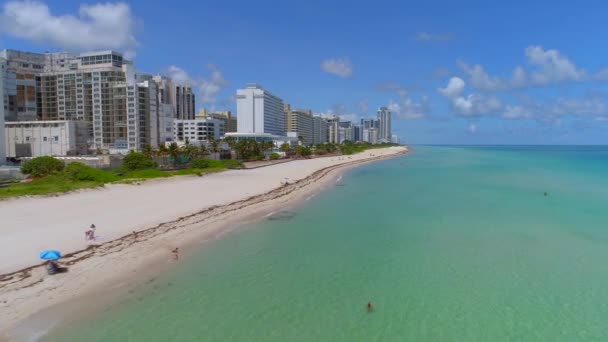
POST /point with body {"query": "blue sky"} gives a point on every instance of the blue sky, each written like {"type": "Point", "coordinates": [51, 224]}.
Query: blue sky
{"type": "Point", "coordinates": [466, 72]}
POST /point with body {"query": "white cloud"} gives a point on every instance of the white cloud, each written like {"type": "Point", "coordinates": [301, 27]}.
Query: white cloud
{"type": "Point", "coordinates": [454, 88]}
{"type": "Point", "coordinates": [179, 75]}
{"type": "Point", "coordinates": [546, 67]}
{"type": "Point", "coordinates": [472, 128]}
{"type": "Point", "coordinates": [341, 67]}
{"type": "Point", "coordinates": [433, 37]}
{"type": "Point", "coordinates": [470, 105]}
{"type": "Point", "coordinates": [98, 26]}
{"type": "Point", "coordinates": [406, 107]}
{"type": "Point", "coordinates": [517, 112]}
{"type": "Point", "coordinates": [208, 88]}
{"type": "Point", "coordinates": [552, 66]}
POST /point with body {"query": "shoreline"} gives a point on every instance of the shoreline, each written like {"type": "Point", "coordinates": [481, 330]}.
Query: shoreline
{"type": "Point", "coordinates": [123, 263]}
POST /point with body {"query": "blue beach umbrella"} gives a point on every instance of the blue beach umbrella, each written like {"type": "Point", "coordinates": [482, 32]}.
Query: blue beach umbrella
{"type": "Point", "coordinates": [50, 255]}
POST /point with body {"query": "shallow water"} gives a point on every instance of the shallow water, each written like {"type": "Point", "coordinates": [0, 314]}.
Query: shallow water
{"type": "Point", "coordinates": [449, 243]}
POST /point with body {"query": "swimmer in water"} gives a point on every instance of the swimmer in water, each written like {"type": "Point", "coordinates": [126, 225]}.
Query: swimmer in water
{"type": "Point", "coordinates": [370, 307]}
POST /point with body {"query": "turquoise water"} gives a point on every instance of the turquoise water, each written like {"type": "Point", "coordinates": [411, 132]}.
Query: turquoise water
{"type": "Point", "coordinates": [449, 243]}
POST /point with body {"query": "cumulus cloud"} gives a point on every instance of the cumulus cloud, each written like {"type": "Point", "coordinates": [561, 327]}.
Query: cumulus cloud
{"type": "Point", "coordinates": [341, 67]}
{"type": "Point", "coordinates": [406, 107]}
{"type": "Point", "coordinates": [433, 37]}
{"type": "Point", "coordinates": [454, 87]}
{"type": "Point", "coordinates": [98, 26]}
{"type": "Point", "coordinates": [208, 87]}
{"type": "Point", "coordinates": [471, 105]}
{"type": "Point", "coordinates": [517, 112]}
{"type": "Point", "coordinates": [179, 75]}
{"type": "Point", "coordinates": [545, 67]}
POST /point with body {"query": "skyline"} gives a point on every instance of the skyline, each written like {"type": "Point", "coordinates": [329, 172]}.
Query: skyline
{"type": "Point", "coordinates": [521, 74]}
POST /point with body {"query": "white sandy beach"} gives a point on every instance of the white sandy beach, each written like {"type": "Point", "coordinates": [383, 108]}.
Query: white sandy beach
{"type": "Point", "coordinates": [204, 204]}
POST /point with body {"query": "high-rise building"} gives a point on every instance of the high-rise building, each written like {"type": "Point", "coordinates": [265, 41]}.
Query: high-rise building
{"type": "Point", "coordinates": [384, 130]}
{"type": "Point", "coordinates": [258, 111]}
{"type": "Point", "coordinates": [301, 123]}
{"type": "Point", "coordinates": [125, 110]}
{"type": "Point", "coordinates": [333, 131]}
{"type": "Point", "coordinates": [179, 96]}
{"type": "Point", "coordinates": [319, 134]}
{"type": "Point", "coordinates": [357, 133]}
{"type": "Point", "coordinates": [2, 108]}
{"type": "Point", "coordinates": [395, 139]}
{"type": "Point", "coordinates": [230, 121]}
{"type": "Point", "coordinates": [20, 83]}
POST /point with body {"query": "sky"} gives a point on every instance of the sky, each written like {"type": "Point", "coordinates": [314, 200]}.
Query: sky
{"type": "Point", "coordinates": [452, 72]}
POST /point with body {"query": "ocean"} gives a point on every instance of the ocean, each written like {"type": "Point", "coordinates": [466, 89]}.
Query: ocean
{"type": "Point", "coordinates": [448, 243]}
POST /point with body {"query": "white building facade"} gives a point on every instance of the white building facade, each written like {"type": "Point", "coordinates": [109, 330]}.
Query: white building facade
{"type": "Point", "coordinates": [198, 131]}
{"type": "Point", "coordinates": [258, 111]}
{"type": "Point", "coordinates": [2, 108]}
{"type": "Point", "coordinates": [45, 138]}
{"type": "Point", "coordinates": [319, 134]}
{"type": "Point", "coordinates": [384, 130]}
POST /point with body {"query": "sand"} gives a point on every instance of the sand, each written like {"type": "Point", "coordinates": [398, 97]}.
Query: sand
{"type": "Point", "coordinates": [178, 212]}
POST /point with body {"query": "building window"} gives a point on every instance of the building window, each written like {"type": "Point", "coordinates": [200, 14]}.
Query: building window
{"type": "Point", "coordinates": [56, 138]}
{"type": "Point", "coordinates": [27, 139]}
{"type": "Point", "coordinates": [45, 139]}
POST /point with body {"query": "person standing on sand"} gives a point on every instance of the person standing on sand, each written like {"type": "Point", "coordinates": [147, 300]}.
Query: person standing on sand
{"type": "Point", "coordinates": [175, 253]}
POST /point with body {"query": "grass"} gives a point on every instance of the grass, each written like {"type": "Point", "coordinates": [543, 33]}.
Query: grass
{"type": "Point", "coordinates": [46, 185]}
{"type": "Point", "coordinates": [61, 181]}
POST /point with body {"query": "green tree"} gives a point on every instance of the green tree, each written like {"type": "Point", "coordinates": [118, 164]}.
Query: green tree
{"type": "Point", "coordinates": [162, 150]}
{"type": "Point", "coordinates": [147, 150]}
{"type": "Point", "coordinates": [215, 147]}
{"type": "Point", "coordinates": [137, 161]}
{"type": "Point", "coordinates": [174, 152]}
{"type": "Point", "coordinates": [42, 166]}
{"type": "Point", "coordinates": [285, 147]}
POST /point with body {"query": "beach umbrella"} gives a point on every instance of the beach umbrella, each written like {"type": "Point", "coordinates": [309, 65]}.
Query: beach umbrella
{"type": "Point", "coordinates": [50, 255]}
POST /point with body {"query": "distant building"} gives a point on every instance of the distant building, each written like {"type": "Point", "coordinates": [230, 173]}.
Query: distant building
{"type": "Point", "coordinates": [2, 108]}
{"type": "Point", "coordinates": [20, 88]}
{"type": "Point", "coordinates": [46, 138]}
{"type": "Point", "coordinates": [278, 140]}
{"type": "Point", "coordinates": [200, 130]}
{"type": "Point", "coordinates": [229, 120]}
{"type": "Point", "coordinates": [357, 131]}
{"type": "Point", "coordinates": [319, 134]}
{"type": "Point", "coordinates": [333, 131]}
{"type": "Point", "coordinates": [384, 130]}
{"type": "Point", "coordinates": [394, 139]}
{"type": "Point", "coordinates": [258, 111]}
{"type": "Point", "coordinates": [301, 123]}
{"type": "Point", "coordinates": [179, 96]}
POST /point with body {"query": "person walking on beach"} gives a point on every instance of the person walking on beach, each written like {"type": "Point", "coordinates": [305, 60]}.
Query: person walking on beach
{"type": "Point", "coordinates": [175, 253]}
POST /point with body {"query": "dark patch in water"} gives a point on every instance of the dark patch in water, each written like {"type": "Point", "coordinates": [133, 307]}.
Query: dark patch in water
{"type": "Point", "coordinates": [340, 184]}
{"type": "Point", "coordinates": [282, 216]}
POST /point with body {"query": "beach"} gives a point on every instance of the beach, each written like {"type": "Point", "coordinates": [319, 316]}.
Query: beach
{"type": "Point", "coordinates": [139, 225]}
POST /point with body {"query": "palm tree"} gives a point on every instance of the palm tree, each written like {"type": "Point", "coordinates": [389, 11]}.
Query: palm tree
{"type": "Point", "coordinates": [174, 152]}
{"type": "Point", "coordinates": [202, 151]}
{"type": "Point", "coordinates": [215, 147]}
{"type": "Point", "coordinates": [147, 150]}
{"type": "Point", "coordinates": [285, 148]}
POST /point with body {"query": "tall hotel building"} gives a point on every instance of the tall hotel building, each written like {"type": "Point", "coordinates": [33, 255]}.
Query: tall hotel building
{"type": "Point", "coordinates": [258, 111]}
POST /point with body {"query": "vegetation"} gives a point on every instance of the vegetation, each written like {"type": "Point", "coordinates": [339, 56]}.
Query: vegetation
{"type": "Point", "coordinates": [80, 172]}
{"type": "Point", "coordinates": [42, 166]}
{"type": "Point", "coordinates": [137, 161]}
{"type": "Point", "coordinates": [274, 156]}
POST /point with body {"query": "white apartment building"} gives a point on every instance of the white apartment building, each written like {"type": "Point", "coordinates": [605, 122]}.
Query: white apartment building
{"type": "Point", "coordinates": [319, 134]}
{"type": "Point", "coordinates": [19, 93]}
{"type": "Point", "coordinates": [2, 108]}
{"type": "Point", "coordinates": [258, 111]}
{"type": "Point", "coordinates": [300, 123]}
{"type": "Point", "coordinates": [395, 139]}
{"type": "Point", "coordinates": [198, 131]}
{"type": "Point", "coordinates": [385, 130]}
{"type": "Point", "coordinates": [333, 129]}
{"type": "Point", "coordinates": [45, 138]}
{"type": "Point", "coordinates": [179, 96]}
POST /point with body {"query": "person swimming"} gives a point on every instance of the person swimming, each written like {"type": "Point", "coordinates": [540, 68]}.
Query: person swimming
{"type": "Point", "coordinates": [370, 307]}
